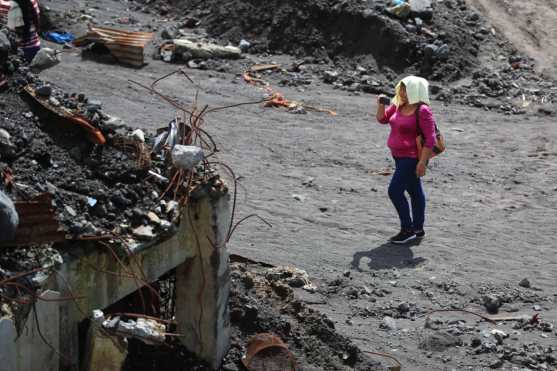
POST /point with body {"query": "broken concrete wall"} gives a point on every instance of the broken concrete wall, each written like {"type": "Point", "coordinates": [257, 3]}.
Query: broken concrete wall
{"type": "Point", "coordinates": [103, 352]}
{"type": "Point", "coordinates": [28, 351]}
{"type": "Point", "coordinates": [92, 273]}
{"type": "Point", "coordinates": [203, 283]}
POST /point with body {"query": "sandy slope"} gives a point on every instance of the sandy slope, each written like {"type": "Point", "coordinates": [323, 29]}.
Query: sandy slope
{"type": "Point", "coordinates": [531, 25]}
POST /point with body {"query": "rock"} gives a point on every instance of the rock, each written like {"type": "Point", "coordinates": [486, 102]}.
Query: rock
{"type": "Point", "coordinates": [404, 308]}
{"type": "Point", "coordinates": [438, 341]}
{"type": "Point", "coordinates": [153, 218]}
{"type": "Point", "coordinates": [120, 200]}
{"type": "Point", "coordinates": [352, 292]}
{"type": "Point", "coordinates": [421, 8]}
{"type": "Point", "coordinates": [546, 109]}
{"type": "Point", "coordinates": [297, 282]}
{"type": "Point", "coordinates": [298, 197]}
{"type": "Point", "coordinates": [70, 211]}
{"type": "Point", "coordinates": [244, 45]}
{"type": "Point", "coordinates": [281, 289]}
{"type": "Point", "coordinates": [524, 283]}
{"type": "Point", "coordinates": [537, 308]}
{"type": "Point", "coordinates": [171, 207]}
{"type": "Point", "coordinates": [191, 22]}
{"type": "Point", "coordinates": [330, 76]}
{"type": "Point", "coordinates": [9, 220]}
{"type": "Point", "coordinates": [492, 303]}
{"type": "Point", "coordinates": [496, 364]}
{"type": "Point", "coordinates": [475, 342]}
{"type": "Point", "coordinates": [442, 52]}
{"type": "Point", "coordinates": [54, 102]}
{"type": "Point", "coordinates": [166, 225]}
{"type": "Point", "coordinates": [170, 33]}
{"type": "Point", "coordinates": [7, 148]}
{"type": "Point", "coordinates": [45, 59]}
{"type": "Point", "coordinates": [411, 28]}
{"type": "Point", "coordinates": [346, 273]}
{"type": "Point", "coordinates": [186, 157]}
{"type": "Point", "coordinates": [44, 91]}
{"type": "Point", "coordinates": [75, 153]}
{"type": "Point", "coordinates": [388, 324]}
{"type": "Point", "coordinates": [144, 232]}
{"type": "Point", "coordinates": [248, 280]}
{"type": "Point", "coordinates": [499, 335]}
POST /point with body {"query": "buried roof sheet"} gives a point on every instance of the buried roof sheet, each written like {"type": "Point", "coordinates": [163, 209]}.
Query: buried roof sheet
{"type": "Point", "coordinates": [126, 46]}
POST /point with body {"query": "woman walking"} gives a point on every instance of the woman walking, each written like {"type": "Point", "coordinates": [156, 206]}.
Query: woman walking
{"type": "Point", "coordinates": [409, 116]}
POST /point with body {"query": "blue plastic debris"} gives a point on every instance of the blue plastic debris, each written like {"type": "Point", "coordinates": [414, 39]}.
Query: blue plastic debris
{"type": "Point", "coordinates": [59, 37]}
{"type": "Point", "coordinates": [91, 201]}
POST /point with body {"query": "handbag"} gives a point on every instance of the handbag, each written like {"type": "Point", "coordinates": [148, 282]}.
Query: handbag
{"type": "Point", "coordinates": [439, 146]}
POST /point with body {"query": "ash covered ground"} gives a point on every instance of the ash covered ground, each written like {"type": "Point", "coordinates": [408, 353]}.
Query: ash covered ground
{"type": "Point", "coordinates": [317, 179]}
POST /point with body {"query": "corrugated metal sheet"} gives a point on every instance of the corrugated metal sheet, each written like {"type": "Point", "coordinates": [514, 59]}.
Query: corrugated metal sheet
{"type": "Point", "coordinates": [126, 46]}
{"type": "Point", "coordinates": [37, 222]}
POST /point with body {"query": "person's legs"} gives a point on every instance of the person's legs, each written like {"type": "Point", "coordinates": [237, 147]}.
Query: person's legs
{"type": "Point", "coordinates": [417, 196]}
{"type": "Point", "coordinates": [397, 187]}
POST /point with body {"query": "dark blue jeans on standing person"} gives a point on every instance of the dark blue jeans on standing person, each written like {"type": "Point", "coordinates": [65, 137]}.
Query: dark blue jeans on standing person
{"type": "Point", "coordinates": [405, 179]}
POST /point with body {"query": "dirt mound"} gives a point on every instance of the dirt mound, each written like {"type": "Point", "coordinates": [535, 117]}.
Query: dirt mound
{"type": "Point", "coordinates": [442, 43]}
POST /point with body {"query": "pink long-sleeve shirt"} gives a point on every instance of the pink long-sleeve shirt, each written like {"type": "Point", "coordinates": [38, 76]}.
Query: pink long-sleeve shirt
{"type": "Point", "coordinates": [402, 140]}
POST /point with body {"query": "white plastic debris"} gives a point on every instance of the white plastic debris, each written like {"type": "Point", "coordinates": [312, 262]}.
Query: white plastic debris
{"type": "Point", "coordinates": [45, 59]}
{"type": "Point", "coordinates": [147, 330]}
{"type": "Point", "coordinates": [166, 139]}
{"type": "Point", "coordinates": [139, 135]}
{"type": "Point", "coordinates": [186, 157]}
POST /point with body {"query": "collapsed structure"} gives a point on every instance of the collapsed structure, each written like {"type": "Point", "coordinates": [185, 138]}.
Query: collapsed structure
{"type": "Point", "coordinates": [104, 212]}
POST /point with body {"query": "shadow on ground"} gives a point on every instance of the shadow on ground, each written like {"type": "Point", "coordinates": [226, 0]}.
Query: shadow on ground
{"type": "Point", "coordinates": [388, 256]}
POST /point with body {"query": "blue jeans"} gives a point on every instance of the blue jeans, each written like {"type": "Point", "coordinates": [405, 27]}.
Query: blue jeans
{"type": "Point", "coordinates": [405, 179]}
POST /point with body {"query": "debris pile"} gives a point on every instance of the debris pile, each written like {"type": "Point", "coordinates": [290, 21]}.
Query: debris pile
{"type": "Point", "coordinates": [368, 46]}
{"type": "Point", "coordinates": [76, 173]}
{"type": "Point", "coordinates": [266, 314]}
{"type": "Point", "coordinates": [426, 37]}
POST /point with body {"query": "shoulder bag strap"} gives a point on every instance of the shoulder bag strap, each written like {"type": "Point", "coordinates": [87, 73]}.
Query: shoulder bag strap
{"type": "Point", "coordinates": [420, 133]}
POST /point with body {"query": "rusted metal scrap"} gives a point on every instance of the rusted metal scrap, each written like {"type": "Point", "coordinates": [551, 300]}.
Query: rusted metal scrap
{"type": "Point", "coordinates": [267, 352]}
{"type": "Point", "coordinates": [37, 222]}
{"type": "Point", "coordinates": [93, 133]}
{"type": "Point", "coordinates": [126, 46]}
{"type": "Point", "coordinates": [135, 148]}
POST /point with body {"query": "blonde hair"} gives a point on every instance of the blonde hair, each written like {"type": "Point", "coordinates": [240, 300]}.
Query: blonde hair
{"type": "Point", "coordinates": [397, 100]}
